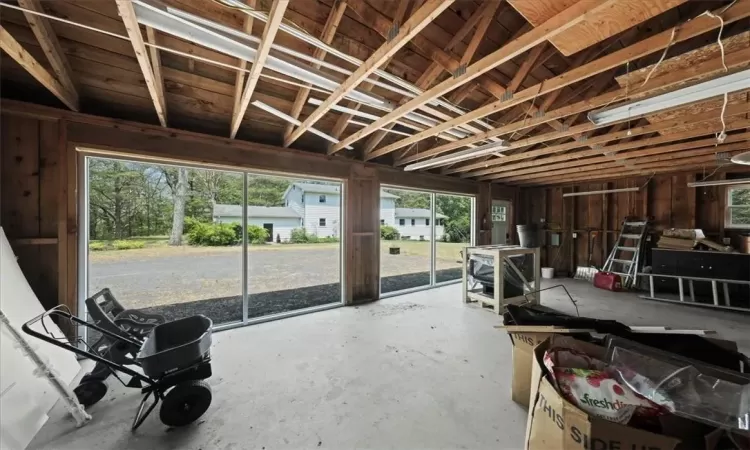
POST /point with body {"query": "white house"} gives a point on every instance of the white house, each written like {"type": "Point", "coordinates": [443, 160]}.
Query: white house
{"type": "Point", "coordinates": [317, 208]}
{"type": "Point", "coordinates": [414, 223]}
{"type": "Point", "coordinates": [278, 220]}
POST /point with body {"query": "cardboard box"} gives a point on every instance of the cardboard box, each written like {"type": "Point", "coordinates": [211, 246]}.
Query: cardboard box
{"type": "Point", "coordinates": [555, 423]}
{"type": "Point", "coordinates": [524, 339]}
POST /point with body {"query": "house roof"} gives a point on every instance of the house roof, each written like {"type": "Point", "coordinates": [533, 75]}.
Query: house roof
{"type": "Point", "coordinates": [418, 213]}
{"type": "Point", "coordinates": [255, 211]}
{"type": "Point", "coordinates": [330, 189]}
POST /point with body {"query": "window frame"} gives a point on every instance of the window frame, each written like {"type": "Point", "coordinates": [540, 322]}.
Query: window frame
{"type": "Point", "coordinates": [322, 222]}
{"type": "Point", "coordinates": [728, 207]}
{"type": "Point", "coordinates": [427, 222]}
{"type": "Point", "coordinates": [402, 222]}
{"type": "Point", "coordinates": [322, 198]}
{"type": "Point", "coordinates": [382, 221]}
{"type": "Point", "coordinates": [413, 222]}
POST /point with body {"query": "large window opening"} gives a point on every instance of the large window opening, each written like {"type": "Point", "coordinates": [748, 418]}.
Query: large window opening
{"type": "Point", "coordinates": [422, 236]}
{"type": "Point", "coordinates": [170, 240]}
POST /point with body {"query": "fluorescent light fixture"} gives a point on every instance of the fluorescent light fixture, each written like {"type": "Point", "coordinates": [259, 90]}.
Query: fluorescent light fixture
{"type": "Point", "coordinates": [290, 119]}
{"type": "Point", "coordinates": [742, 158]}
{"type": "Point", "coordinates": [363, 124]}
{"type": "Point", "coordinates": [604, 191]}
{"type": "Point", "coordinates": [315, 42]}
{"type": "Point", "coordinates": [719, 182]}
{"type": "Point", "coordinates": [486, 149]}
{"type": "Point", "coordinates": [356, 112]}
{"type": "Point", "coordinates": [702, 91]}
{"type": "Point", "coordinates": [169, 23]}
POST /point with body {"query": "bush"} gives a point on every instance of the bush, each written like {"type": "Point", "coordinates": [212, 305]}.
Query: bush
{"type": "Point", "coordinates": [188, 224]}
{"type": "Point", "coordinates": [328, 239]}
{"type": "Point", "coordinates": [388, 233]}
{"type": "Point", "coordinates": [458, 230]}
{"type": "Point", "coordinates": [213, 234]}
{"type": "Point", "coordinates": [256, 234]}
{"type": "Point", "coordinates": [97, 246]}
{"type": "Point", "coordinates": [299, 236]}
{"type": "Point", "coordinates": [128, 245]}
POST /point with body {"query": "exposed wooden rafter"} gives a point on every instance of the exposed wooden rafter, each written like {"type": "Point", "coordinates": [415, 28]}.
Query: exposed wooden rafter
{"type": "Point", "coordinates": [708, 68]}
{"type": "Point", "coordinates": [699, 25]}
{"type": "Point", "coordinates": [50, 45]}
{"type": "Point", "coordinates": [16, 51]}
{"type": "Point", "coordinates": [555, 25]}
{"type": "Point", "coordinates": [239, 79]}
{"type": "Point", "coordinates": [155, 87]}
{"type": "Point", "coordinates": [418, 20]}
{"type": "Point", "coordinates": [344, 118]}
{"type": "Point", "coordinates": [275, 16]}
{"type": "Point", "coordinates": [329, 31]}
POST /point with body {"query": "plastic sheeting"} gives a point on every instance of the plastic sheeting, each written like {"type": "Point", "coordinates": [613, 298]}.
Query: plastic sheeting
{"type": "Point", "coordinates": [25, 399]}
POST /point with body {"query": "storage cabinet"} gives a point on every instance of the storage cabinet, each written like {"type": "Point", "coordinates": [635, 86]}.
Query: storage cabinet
{"type": "Point", "coordinates": [703, 264]}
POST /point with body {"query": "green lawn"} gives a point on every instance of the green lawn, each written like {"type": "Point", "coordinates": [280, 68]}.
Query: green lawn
{"type": "Point", "coordinates": [445, 250]}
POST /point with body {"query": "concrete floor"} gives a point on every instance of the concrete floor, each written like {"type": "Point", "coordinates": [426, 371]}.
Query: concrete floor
{"type": "Point", "coordinates": [415, 371]}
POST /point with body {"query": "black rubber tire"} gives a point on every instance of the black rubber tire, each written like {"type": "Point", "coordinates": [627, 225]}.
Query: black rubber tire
{"type": "Point", "coordinates": [185, 403]}
{"type": "Point", "coordinates": [90, 392]}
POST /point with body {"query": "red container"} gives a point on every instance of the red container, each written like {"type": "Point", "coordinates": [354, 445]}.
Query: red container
{"type": "Point", "coordinates": [608, 280]}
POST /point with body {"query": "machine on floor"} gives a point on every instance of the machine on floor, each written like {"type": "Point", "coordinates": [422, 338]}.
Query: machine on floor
{"type": "Point", "coordinates": [174, 357]}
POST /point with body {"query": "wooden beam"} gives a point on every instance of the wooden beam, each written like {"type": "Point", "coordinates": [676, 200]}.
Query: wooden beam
{"type": "Point", "coordinates": [552, 27]}
{"type": "Point", "coordinates": [239, 78]}
{"type": "Point", "coordinates": [420, 19]}
{"type": "Point", "coordinates": [264, 47]}
{"type": "Point", "coordinates": [698, 25]}
{"type": "Point", "coordinates": [712, 67]}
{"type": "Point", "coordinates": [156, 66]}
{"type": "Point", "coordinates": [476, 38]}
{"type": "Point", "coordinates": [671, 166]}
{"type": "Point", "coordinates": [651, 153]}
{"type": "Point", "coordinates": [125, 7]}
{"type": "Point", "coordinates": [16, 51]}
{"type": "Point", "coordinates": [429, 76]}
{"type": "Point", "coordinates": [329, 31]}
{"type": "Point", "coordinates": [344, 118]}
{"type": "Point", "coordinates": [50, 44]}
{"type": "Point", "coordinates": [526, 67]}
{"type": "Point", "coordinates": [574, 161]}
{"type": "Point", "coordinates": [637, 131]}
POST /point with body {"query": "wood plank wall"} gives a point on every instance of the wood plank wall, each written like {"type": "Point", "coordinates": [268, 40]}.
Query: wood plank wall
{"type": "Point", "coordinates": [666, 199]}
{"type": "Point", "coordinates": [39, 198]}
{"type": "Point", "coordinates": [29, 178]}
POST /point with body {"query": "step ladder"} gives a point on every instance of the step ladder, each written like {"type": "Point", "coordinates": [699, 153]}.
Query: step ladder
{"type": "Point", "coordinates": [625, 257]}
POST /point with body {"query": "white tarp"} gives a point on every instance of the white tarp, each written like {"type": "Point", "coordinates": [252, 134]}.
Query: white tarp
{"type": "Point", "coordinates": [25, 399]}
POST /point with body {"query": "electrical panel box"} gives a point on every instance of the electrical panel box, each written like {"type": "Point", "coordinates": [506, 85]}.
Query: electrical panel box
{"type": "Point", "coordinates": [554, 239]}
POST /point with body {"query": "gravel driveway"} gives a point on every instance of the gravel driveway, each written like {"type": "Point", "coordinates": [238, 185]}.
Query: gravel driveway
{"type": "Point", "coordinates": [179, 284]}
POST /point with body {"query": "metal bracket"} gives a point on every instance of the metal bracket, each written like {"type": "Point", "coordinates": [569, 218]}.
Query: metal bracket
{"type": "Point", "coordinates": [460, 70]}
{"type": "Point", "coordinates": [393, 31]}
{"type": "Point", "coordinates": [507, 95]}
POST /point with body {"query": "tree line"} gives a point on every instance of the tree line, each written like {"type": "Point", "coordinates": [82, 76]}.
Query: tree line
{"type": "Point", "coordinates": [130, 199]}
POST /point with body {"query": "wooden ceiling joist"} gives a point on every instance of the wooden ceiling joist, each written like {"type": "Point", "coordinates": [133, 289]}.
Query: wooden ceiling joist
{"type": "Point", "coordinates": [676, 164]}
{"type": "Point", "coordinates": [523, 43]}
{"type": "Point", "coordinates": [275, 15]}
{"type": "Point", "coordinates": [329, 31]}
{"type": "Point", "coordinates": [16, 51]}
{"type": "Point", "coordinates": [418, 20]}
{"type": "Point", "coordinates": [344, 118]}
{"type": "Point", "coordinates": [712, 67]}
{"type": "Point", "coordinates": [155, 87]}
{"type": "Point", "coordinates": [692, 28]}
{"type": "Point", "coordinates": [155, 58]}
{"type": "Point", "coordinates": [604, 162]}
{"type": "Point", "coordinates": [239, 78]}
{"type": "Point", "coordinates": [50, 45]}
{"type": "Point", "coordinates": [499, 164]}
